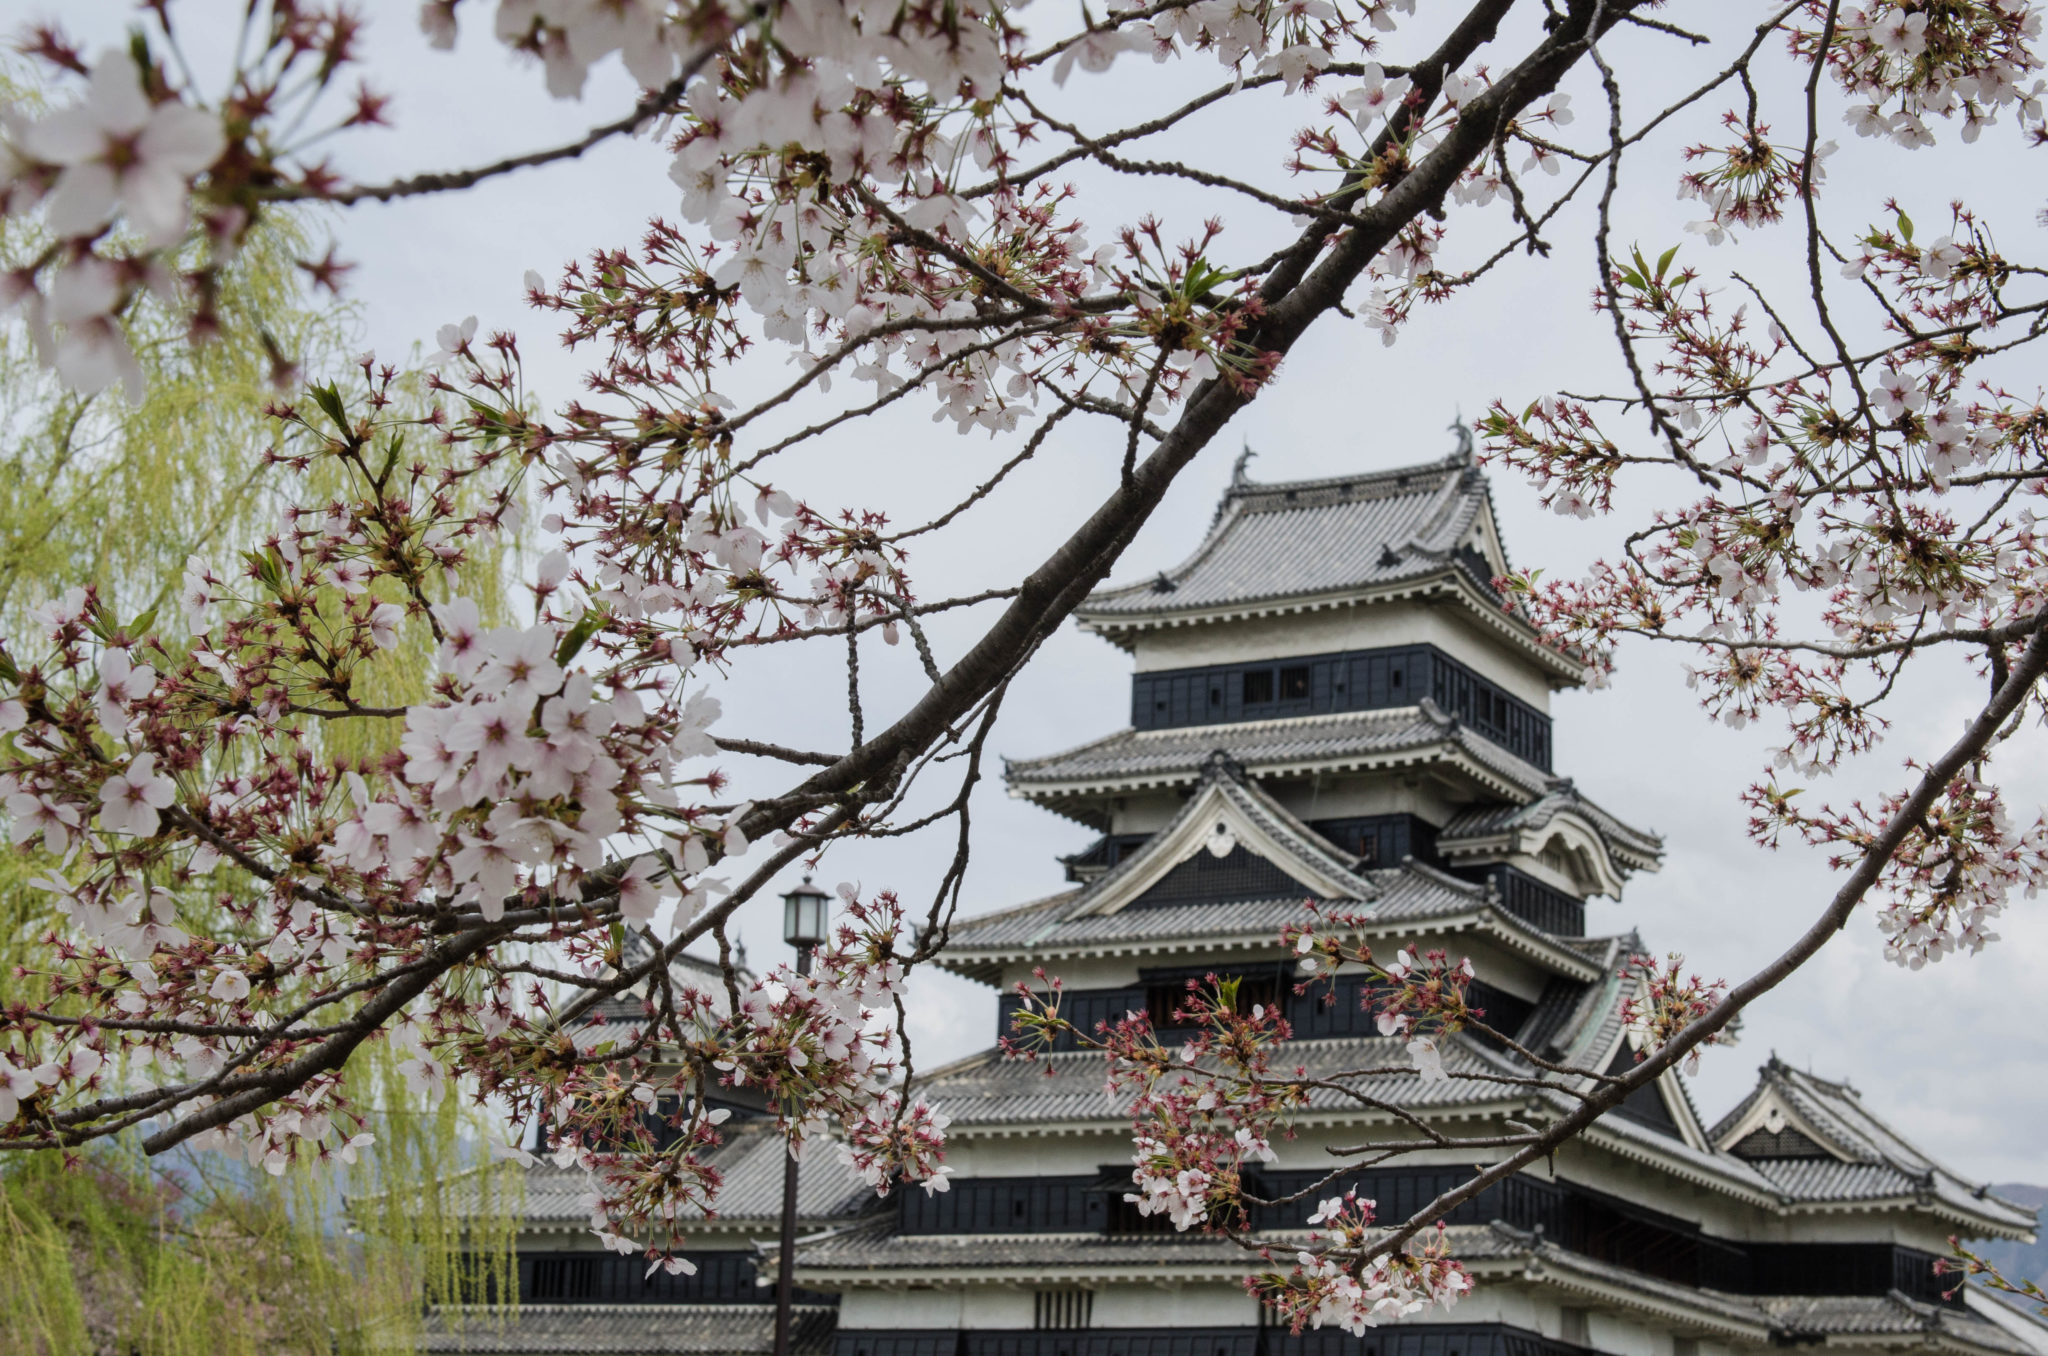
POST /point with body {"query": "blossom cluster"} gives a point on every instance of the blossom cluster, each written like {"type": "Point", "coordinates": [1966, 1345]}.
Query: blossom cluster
{"type": "Point", "coordinates": [1664, 1002]}
{"type": "Point", "coordinates": [793, 156]}
{"type": "Point", "coordinates": [1911, 62]}
{"type": "Point", "coordinates": [818, 1048]}
{"type": "Point", "coordinates": [1949, 881]}
{"type": "Point", "coordinates": [1419, 998]}
{"type": "Point", "coordinates": [165, 775]}
{"type": "Point", "coordinates": [1339, 1280]}
{"type": "Point", "coordinates": [1204, 1111]}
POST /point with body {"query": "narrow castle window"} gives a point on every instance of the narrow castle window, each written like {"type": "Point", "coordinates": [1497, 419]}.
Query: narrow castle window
{"type": "Point", "coordinates": [1055, 1309]}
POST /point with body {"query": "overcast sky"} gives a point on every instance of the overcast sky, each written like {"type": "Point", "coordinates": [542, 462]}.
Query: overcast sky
{"type": "Point", "coordinates": [1952, 1055]}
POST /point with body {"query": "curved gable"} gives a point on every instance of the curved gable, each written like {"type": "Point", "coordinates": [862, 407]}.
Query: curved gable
{"type": "Point", "coordinates": [1241, 842]}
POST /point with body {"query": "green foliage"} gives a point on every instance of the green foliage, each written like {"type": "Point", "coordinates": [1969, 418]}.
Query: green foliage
{"type": "Point", "coordinates": [92, 488]}
{"type": "Point", "coordinates": [108, 1250]}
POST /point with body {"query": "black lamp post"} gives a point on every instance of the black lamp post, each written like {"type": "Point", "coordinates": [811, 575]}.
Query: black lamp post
{"type": "Point", "coordinates": [805, 913]}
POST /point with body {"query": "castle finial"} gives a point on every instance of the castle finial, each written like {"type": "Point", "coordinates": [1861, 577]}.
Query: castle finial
{"type": "Point", "coordinates": [1220, 766]}
{"type": "Point", "coordinates": [1237, 475]}
{"type": "Point", "coordinates": [1464, 432]}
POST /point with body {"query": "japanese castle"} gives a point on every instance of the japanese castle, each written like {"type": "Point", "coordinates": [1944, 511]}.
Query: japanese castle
{"type": "Point", "coordinates": [1330, 702]}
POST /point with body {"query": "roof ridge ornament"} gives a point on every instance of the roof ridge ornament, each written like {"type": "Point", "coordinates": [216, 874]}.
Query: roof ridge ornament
{"type": "Point", "coordinates": [1220, 766]}
{"type": "Point", "coordinates": [1238, 478]}
{"type": "Point", "coordinates": [1464, 455]}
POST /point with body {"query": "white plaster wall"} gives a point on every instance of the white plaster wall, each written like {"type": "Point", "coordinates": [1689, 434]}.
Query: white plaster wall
{"type": "Point", "coordinates": [1498, 966]}
{"type": "Point", "coordinates": [1354, 627]}
{"type": "Point", "coordinates": [1654, 1190]}
{"type": "Point", "coordinates": [1146, 813]}
{"type": "Point", "coordinates": [1625, 1335]}
{"type": "Point", "coordinates": [1382, 793]}
{"type": "Point", "coordinates": [1921, 1231]}
{"type": "Point", "coordinates": [997, 1306]}
{"type": "Point", "coordinates": [1035, 1155]}
{"type": "Point", "coordinates": [1172, 1305]}
{"type": "Point", "coordinates": [1494, 1301]}
{"type": "Point", "coordinates": [915, 1308]}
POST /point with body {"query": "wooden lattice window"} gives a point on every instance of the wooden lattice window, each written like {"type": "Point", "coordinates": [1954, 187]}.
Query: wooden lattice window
{"type": "Point", "coordinates": [1052, 1309]}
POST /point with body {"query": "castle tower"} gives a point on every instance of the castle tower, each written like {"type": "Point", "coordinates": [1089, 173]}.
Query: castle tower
{"type": "Point", "coordinates": [1330, 702]}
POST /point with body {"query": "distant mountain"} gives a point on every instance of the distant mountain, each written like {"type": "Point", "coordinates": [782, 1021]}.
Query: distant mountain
{"type": "Point", "coordinates": [2020, 1261]}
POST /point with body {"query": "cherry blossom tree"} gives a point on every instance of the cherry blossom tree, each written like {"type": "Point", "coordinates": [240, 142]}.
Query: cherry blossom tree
{"type": "Point", "coordinates": [875, 196]}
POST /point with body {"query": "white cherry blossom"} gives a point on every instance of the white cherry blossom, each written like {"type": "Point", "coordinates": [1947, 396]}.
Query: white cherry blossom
{"type": "Point", "coordinates": [1375, 96]}
{"type": "Point", "coordinates": [79, 329]}
{"type": "Point", "coordinates": [121, 154]}
{"type": "Point", "coordinates": [130, 799]}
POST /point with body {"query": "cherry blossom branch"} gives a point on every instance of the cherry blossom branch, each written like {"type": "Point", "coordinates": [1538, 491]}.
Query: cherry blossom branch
{"type": "Point", "coordinates": [647, 108]}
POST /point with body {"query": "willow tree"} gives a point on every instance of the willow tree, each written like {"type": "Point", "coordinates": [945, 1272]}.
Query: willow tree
{"type": "Point", "coordinates": [103, 1248]}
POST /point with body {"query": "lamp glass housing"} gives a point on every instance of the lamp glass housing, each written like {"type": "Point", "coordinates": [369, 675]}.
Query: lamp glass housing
{"type": "Point", "coordinates": [805, 913]}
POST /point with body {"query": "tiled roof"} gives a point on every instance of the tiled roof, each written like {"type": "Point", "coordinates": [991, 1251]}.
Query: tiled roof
{"type": "Point", "coordinates": [873, 1247]}
{"type": "Point", "coordinates": [750, 1161]}
{"type": "Point", "coordinates": [1635, 847]}
{"type": "Point", "coordinates": [1872, 1161]}
{"type": "Point", "coordinates": [1174, 757]}
{"type": "Point", "coordinates": [1314, 537]}
{"type": "Point", "coordinates": [627, 1330]}
{"type": "Point", "coordinates": [1047, 924]}
{"type": "Point", "coordinates": [1575, 1270]}
{"type": "Point", "coordinates": [1801, 1319]}
{"type": "Point", "coordinates": [1796, 1317]}
{"type": "Point", "coordinates": [1076, 917]}
{"type": "Point", "coordinates": [1624, 1135]}
{"type": "Point", "coordinates": [1396, 895]}
{"type": "Point", "coordinates": [1067, 1087]}
{"type": "Point", "coordinates": [1559, 1006]}
{"type": "Point", "coordinates": [1104, 914]}
{"type": "Point", "coordinates": [1830, 1179]}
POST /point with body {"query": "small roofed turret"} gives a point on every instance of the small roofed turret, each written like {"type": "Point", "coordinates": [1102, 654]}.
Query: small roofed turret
{"type": "Point", "coordinates": [1377, 558]}
{"type": "Point", "coordinates": [1342, 641]}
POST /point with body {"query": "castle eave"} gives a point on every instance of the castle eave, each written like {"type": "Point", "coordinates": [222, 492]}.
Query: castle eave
{"type": "Point", "coordinates": [1446, 586]}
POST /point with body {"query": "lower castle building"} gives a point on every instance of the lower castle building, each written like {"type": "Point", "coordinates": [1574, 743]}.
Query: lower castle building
{"type": "Point", "coordinates": [1330, 703]}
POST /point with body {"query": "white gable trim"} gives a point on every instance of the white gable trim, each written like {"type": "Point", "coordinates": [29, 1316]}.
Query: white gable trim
{"type": "Point", "coordinates": [1215, 820]}
{"type": "Point", "coordinates": [1591, 863]}
{"type": "Point", "coordinates": [1774, 1112]}
{"type": "Point", "coordinates": [1592, 868]}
